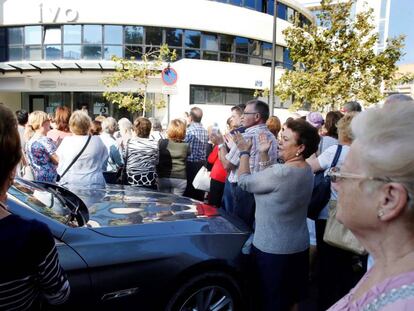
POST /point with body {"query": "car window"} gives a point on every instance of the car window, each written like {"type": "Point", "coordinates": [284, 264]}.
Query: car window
{"type": "Point", "coordinates": [41, 200]}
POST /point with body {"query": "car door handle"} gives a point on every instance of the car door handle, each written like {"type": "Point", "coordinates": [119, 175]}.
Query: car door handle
{"type": "Point", "coordinates": [120, 293]}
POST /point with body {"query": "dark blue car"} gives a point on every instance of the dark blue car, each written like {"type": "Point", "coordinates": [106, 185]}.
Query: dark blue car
{"type": "Point", "coordinates": [128, 249]}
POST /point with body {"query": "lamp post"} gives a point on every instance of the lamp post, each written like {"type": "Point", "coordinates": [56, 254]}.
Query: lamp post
{"type": "Point", "coordinates": [272, 67]}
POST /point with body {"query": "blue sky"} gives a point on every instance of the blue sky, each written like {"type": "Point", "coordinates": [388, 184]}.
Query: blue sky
{"type": "Point", "coordinates": [401, 22]}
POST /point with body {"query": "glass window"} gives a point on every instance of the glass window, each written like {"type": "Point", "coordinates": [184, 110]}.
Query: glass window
{"type": "Point", "coordinates": [15, 35]}
{"type": "Point", "coordinates": [209, 42]}
{"type": "Point", "coordinates": [290, 15]}
{"type": "Point", "coordinates": [72, 34]}
{"type": "Point", "coordinates": [249, 3]}
{"type": "Point", "coordinates": [270, 7]}
{"type": "Point", "coordinates": [197, 95]}
{"type": "Point", "coordinates": [53, 52]}
{"type": "Point", "coordinates": [236, 2]}
{"type": "Point", "coordinates": [134, 35]}
{"type": "Point", "coordinates": [383, 12]}
{"type": "Point", "coordinates": [226, 43]}
{"type": "Point", "coordinates": [3, 36]}
{"type": "Point", "coordinates": [133, 51]}
{"type": "Point", "coordinates": [242, 45]}
{"type": "Point", "coordinates": [210, 55]}
{"type": "Point", "coordinates": [33, 35]}
{"type": "Point", "coordinates": [286, 59]}
{"type": "Point", "coordinates": [260, 5]}
{"type": "Point", "coordinates": [215, 95]}
{"type": "Point", "coordinates": [192, 54]}
{"type": "Point", "coordinates": [15, 53]}
{"type": "Point", "coordinates": [153, 36]}
{"type": "Point", "coordinates": [174, 37]}
{"type": "Point", "coordinates": [3, 53]}
{"type": "Point", "coordinates": [267, 51]}
{"type": "Point", "coordinates": [33, 52]}
{"type": "Point", "coordinates": [226, 57]}
{"type": "Point", "coordinates": [92, 52]}
{"type": "Point", "coordinates": [112, 34]}
{"type": "Point", "coordinates": [279, 55]}
{"type": "Point", "coordinates": [92, 34]}
{"type": "Point", "coordinates": [232, 96]}
{"type": "Point", "coordinates": [53, 35]}
{"type": "Point", "coordinates": [111, 50]}
{"type": "Point", "coordinates": [192, 39]}
{"type": "Point", "coordinates": [255, 48]}
{"type": "Point", "coordinates": [242, 59]}
{"type": "Point", "coordinates": [71, 51]}
{"type": "Point", "coordinates": [281, 10]}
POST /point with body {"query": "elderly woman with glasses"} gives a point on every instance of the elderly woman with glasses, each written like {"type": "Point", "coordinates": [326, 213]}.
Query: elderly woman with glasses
{"type": "Point", "coordinates": [375, 188]}
{"type": "Point", "coordinates": [335, 266]}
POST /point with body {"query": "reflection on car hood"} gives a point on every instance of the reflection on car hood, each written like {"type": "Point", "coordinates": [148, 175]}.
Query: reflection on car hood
{"type": "Point", "coordinates": [125, 205]}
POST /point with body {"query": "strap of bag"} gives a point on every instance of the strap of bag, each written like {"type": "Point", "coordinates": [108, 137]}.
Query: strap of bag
{"type": "Point", "coordinates": [77, 156]}
{"type": "Point", "coordinates": [126, 154]}
{"type": "Point", "coordinates": [336, 157]}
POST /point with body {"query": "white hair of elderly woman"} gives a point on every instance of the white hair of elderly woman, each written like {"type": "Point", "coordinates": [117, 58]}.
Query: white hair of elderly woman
{"type": "Point", "coordinates": [386, 137]}
{"type": "Point", "coordinates": [109, 125]}
{"type": "Point", "coordinates": [124, 124]}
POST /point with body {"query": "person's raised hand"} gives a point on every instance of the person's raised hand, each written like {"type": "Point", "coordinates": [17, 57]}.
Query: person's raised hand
{"type": "Point", "coordinates": [241, 143]}
{"type": "Point", "coordinates": [264, 143]}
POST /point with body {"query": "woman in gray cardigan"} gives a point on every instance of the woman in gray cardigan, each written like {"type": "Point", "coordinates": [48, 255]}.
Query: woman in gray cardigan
{"type": "Point", "coordinates": [282, 193]}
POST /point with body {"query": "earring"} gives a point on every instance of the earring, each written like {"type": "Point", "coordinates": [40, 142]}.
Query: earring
{"type": "Point", "coordinates": [297, 154]}
{"type": "Point", "coordinates": [380, 214]}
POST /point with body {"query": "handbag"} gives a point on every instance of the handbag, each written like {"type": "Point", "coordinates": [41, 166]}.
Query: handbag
{"type": "Point", "coordinates": [59, 177]}
{"type": "Point", "coordinates": [337, 235]}
{"type": "Point", "coordinates": [202, 179]}
{"type": "Point", "coordinates": [321, 192]}
{"type": "Point", "coordinates": [27, 172]}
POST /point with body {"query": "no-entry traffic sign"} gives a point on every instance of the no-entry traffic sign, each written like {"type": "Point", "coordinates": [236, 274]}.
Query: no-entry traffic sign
{"type": "Point", "coordinates": [169, 76]}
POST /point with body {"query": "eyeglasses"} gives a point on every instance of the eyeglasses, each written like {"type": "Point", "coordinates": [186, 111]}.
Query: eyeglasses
{"type": "Point", "coordinates": [249, 113]}
{"type": "Point", "coordinates": [336, 176]}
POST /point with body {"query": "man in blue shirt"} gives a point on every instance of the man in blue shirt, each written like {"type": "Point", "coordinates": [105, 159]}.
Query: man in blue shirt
{"type": "Point", "coordinates": [197, 138]}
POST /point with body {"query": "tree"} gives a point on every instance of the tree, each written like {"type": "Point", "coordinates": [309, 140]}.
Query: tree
{"type": "Point", "coordinates": [140, 72]}
{"type": "Point", "coordinates": [336, 63]}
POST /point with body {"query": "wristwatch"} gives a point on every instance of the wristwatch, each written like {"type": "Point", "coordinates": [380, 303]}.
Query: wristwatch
{"type": "Point", "coordinates": [221, 145]}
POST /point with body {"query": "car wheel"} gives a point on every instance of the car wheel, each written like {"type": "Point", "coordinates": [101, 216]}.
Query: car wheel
{"type": "Point", "coordinates": [209, 291]}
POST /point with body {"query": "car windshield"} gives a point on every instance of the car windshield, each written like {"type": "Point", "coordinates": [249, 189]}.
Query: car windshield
{"type": "Point", "coordinates": [41, 200]}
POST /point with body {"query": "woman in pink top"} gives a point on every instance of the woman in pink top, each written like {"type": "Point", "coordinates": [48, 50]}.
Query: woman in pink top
{"type": "Point", "coordinates": [376, 202]}
{"type": "Point", "coordinates": [62, 116]}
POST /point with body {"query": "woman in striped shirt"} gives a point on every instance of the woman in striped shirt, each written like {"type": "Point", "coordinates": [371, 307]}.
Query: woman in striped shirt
{"type": "Point", "coordinates": [30, 272]}
{"type": "Point", "coordinates": [141, 156]}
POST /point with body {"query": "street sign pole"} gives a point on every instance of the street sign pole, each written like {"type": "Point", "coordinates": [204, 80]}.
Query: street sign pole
{"type": "Point", "coordinates": [272, 68]}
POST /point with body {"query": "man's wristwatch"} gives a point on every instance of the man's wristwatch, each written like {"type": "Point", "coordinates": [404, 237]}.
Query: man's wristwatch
{"type": "Point", "coordinates": [242, 153]}
{"type": "Point", "coordinates": [221, 145]}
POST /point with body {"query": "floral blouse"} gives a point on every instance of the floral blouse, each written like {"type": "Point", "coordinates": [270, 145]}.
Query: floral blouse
{"type": "Point", "coordinates": [39, 150]}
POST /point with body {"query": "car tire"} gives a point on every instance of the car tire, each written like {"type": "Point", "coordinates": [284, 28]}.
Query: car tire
{"type": "Point", "coordinates": [208, 291]}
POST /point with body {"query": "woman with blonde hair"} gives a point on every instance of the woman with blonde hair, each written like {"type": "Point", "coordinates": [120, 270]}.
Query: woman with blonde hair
{"type": "Point", "coordinates": [173, 154]}
{"type": "Point", "coordinates": [41, 150]}
{"type": "Point", "coordinates": [82, 157]}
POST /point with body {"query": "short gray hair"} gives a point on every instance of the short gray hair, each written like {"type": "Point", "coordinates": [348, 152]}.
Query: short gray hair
{"type": "Point", "coordinates": [386, 137]}
{"type": "Point", "coordinates": [109, 125]}
{"type": "Point", "coordinates": [124, 124]}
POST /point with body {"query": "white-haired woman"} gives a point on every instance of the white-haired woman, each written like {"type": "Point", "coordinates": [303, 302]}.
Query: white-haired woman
{"type": "Point", "coordinates": [123, 134]}
{"type": "Point", "coordinates": [375, 201]}
{"type": "Point", "coordinates": [87, 169]}
{"type": "Point", "coordinates": [109, 126]}
{"type": "Point", "coordinates": [41, 150]}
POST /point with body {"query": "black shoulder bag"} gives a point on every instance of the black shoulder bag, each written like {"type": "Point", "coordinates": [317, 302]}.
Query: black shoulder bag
{"type": "Point", "coordinates": [321, 189]}
{"type": "Point", "coordinates": [59, 177]}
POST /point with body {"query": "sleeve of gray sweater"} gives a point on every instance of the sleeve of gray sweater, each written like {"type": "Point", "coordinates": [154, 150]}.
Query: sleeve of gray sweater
{"type": "Point", "coordinates": [260, 182]}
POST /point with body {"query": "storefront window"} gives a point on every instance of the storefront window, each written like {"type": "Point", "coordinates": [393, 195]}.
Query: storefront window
{"type": "Point", "coordinates": [72, 34]}
{"type": "Point", "coordinates": [33, 35]}
{"type": "Point", "coordinates": [134, 34]}
{"type": "Point", "coordinates": [174, 37]}
{"type": "Point", "coordinates": [15, 35]}
{"type": "Point", "coordinates": [92, 34]}
{"type": "Point", "coordinates": [112, 34]}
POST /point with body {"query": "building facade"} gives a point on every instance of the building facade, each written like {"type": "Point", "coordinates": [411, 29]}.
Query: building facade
{"type": "Point", "coordinates": [56, 52]}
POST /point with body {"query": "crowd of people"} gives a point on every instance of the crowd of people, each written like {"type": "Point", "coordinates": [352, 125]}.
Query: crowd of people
{"type": "Point", "coordinates": [262, 173]}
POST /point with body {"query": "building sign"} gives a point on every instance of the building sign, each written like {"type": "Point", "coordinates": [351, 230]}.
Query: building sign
{"type": "Point", "coordinates": [100, 109]}
{"type": "Point", "coordinates": [57, 14]}
{"type": "Point", "coordinates": [169, 90]}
